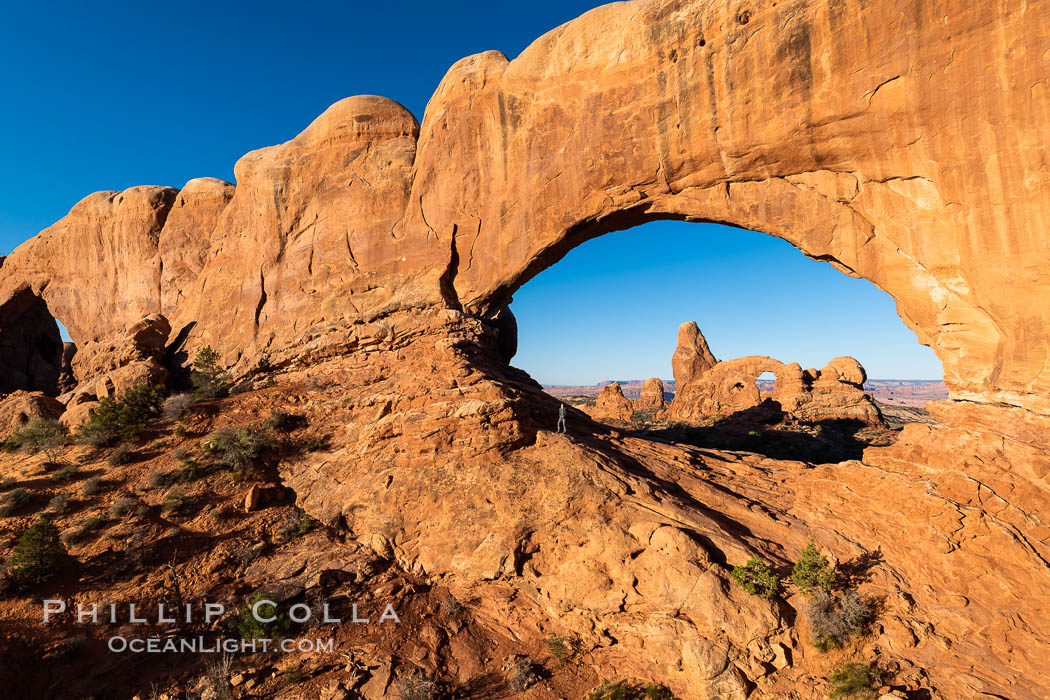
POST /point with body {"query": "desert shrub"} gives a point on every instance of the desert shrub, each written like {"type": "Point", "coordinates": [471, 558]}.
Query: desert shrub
{"type": "Point", "coordinates": [39, 552]}
{"type": "Point", "coordinates": [158, 478]}
{"type": "Point", "coordinates": [180, 430]}
{"type": "Point", "coordinates": [452, 608]}
{"type": "Point", "coordinates": [45, 435]}
{"type": "Point", "coordinates": [294, 674]}
{"type": "Point", "coordinates": [216, 678]}
{"type": "Point", "coordinates": [654, 691]}
{"type": "Point", "coordinates": [614, 691]}
{"type": "Point", "coordinates": [835, 619]}
{"type": "Point", "coordinates": [13, 500]}
{"type": "Point", "coordinates": [122, 507]}
{"type": "Point", "coordinates": [121, 419]}
{"type": "Point", "coordinates": [854, 680]}
{"type": "Point", "coordinates": [240, 448]}
{"type": "Point", "coordinates": [66, 473]}
{"type": "Point", "coordinates": [294, 525]}
{"type": "Point", "coordinates": [91, 487]}
{"type": "Point", "coordinates": [121, 455]}
{"type": "Point", "coordinates": [813, 571]}
{"type": "Point", "coordinates": [281, 422]}
{"type": "Point", "coordinates": [646, 416]}
{"type": "Point", "coordinates": [71, 648]}
{"type": "Point", "coordinates": [8, 483]}
{"type": "Point", "coordinates": [58, 503]}
{"type": "Point", "coordinates": [144, 401]}
{"type": "Point", "coordinates": [177, 501]}
{"type": "Point", "coordinates": [251, 628]}
{"type": "Point", "coordinates": [305, 524]}
{"type": "Point", "coordinates": [176, 405]}
{"type": "Point", "coordinates": [210, 380]}
{"type": "Point", "coordinates": [189, 470]}
{"type": "Point", "coordinates": [559, 647]}
{"type": "Point", "coordinates": [84, 530]}
{"type": "Point", "coordinates": [415, 686]}
{"type": "Point", "coordinates": [521, 674]}
{"type": "Point", "coordinates": [757, 578]}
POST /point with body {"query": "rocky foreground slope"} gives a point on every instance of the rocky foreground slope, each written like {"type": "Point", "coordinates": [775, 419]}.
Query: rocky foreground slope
{"type": "Point", "coordinates": [376, 257]}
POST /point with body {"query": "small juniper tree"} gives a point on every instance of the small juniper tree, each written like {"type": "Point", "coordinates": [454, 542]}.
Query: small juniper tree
{"type": "Point", "coordinates": [114, 420]}
{"type": "Point", "coordinates": [240, 448]}
{"type": "Point", "coordinates": [45, 435]}
{"type": "Point", "coordinates": [39, 552]}
{"type": "Point", "coordinates": [757, 578]}
{"type": "Point", "coordinates": [812, 571]}
{"type": "Point", "coordinates": [210, 380]}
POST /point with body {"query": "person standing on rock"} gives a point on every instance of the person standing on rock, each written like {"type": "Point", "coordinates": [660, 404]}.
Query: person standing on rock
{"type": "Point", "coordinates": [561, 418]}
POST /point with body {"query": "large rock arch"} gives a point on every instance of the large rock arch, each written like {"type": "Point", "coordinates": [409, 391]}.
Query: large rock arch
{"type": "Point", "coordinates": [901, 143]}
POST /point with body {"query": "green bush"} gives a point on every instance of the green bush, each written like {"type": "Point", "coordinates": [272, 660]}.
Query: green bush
{"type": "Point", "coordinates": [45, 435]}
{"type": "Point", "coordinates": [812, 571]}
{"type": "Point", "coordinates": [210, 380]}
{"type": "Point", "coordinates": [114, 420]}
{"type": "Point", "coordinates": [39, 552]}
{"type": "Point", "coordinates": [559, 648]}
{"type": "Point", "coordinates": [854, 680]}
{"type": "Point", "coordinates": [13, 500]}
{"type": "Point", "coordinates": [757, 578]}
{"type": "Point", "coordinates": [240, 449]}
{"type": "Point", "coordinates": [251, 628]}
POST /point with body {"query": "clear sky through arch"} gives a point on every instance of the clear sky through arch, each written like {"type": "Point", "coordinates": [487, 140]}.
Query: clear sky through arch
{"type": "Point", "coordinates": [611, 308]}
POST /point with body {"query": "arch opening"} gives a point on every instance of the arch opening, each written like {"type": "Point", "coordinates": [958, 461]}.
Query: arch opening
{"type": "Point", "coordinates": [608, 310]}
{"type": "Point", "coordinates": [34, 356]}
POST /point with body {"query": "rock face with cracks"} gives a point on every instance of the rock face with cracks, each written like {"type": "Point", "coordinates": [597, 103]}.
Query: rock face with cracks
{"type": "Point", "coordinates": [902, 143]}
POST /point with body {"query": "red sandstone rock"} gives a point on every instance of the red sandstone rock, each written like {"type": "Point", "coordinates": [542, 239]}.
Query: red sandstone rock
{"type": "Point", "coordinates": [652, 397]}
{"type": "Point", "coordinates": [692, 357]}
{"type": "Point", "coordinates": [20, 407]}
{"type": "Point", "coordinates": [612, 404]}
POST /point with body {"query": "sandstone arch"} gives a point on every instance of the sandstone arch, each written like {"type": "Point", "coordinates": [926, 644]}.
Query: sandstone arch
{"type": "Point", "coordinates": [861, 136]}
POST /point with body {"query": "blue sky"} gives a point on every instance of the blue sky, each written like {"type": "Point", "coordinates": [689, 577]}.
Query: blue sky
{"type": "Point", "coordinates": [611, 308]}
{"type": "Point", "coordinates": [109, 95]}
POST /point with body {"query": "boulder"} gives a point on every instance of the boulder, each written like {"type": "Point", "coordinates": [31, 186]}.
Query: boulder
{"type": "Point", "coordinates": [652, 397]}
{"type": "Point", "coordinates": [611, 404]}
{"type": "Point", "coordinates": [20, 407]}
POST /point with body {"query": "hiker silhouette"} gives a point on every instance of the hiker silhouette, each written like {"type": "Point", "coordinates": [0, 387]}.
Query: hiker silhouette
{"type": "Point", "coordinates": [561, 419]}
